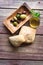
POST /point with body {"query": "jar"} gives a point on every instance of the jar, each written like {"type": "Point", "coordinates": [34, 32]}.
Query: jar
{"type": "Point", "coordinates": [34, 22]}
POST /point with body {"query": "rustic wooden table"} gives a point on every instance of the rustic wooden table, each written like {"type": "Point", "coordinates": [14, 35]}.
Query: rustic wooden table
{"type": "Point", "coordinates": [25, 55]}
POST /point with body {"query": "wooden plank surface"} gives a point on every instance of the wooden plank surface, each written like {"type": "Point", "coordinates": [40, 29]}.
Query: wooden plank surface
{"type": "Point", "coordinates": [34, 4]}
{"type": "Point", "coordinates": [6, 46]}
{"type": "Point", "coordinates": [20, 62]}
{"type": "Point", "coordinates": [33, 51]}
{"type": "Point", "coordinates": [30, 52]}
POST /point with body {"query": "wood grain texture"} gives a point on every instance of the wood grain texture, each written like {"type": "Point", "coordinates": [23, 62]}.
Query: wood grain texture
{"type": "Point", "coordinates": [17, 3]}
{"type": "Point", "coordinates": [32, 52]}
{"type": "Point", "coordinates": [20, 62]}
{"type": "Point", "coordinates": [36, 47]}
{"type": "Point", "coordinates": [21, 56]}
{"type": "Point", "coordinates": [29, 52]}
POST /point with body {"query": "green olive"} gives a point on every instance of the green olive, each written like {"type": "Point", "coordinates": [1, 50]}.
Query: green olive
{"type": "Point", "coordinates": [23, 16]}
{"type": "Point", "coordinates": [15, 23]}
{"type": "Point", "coordinates": [15, 18]}
{"type": "Point", "coordinates": [18, 16]}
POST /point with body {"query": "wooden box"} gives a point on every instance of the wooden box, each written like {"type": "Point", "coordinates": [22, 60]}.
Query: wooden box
{"type": "Point", "coordinates": [9, 25]}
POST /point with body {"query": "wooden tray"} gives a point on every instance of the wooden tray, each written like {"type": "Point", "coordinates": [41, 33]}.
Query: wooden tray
{"type": "Point", "coordinates": [10, 26]}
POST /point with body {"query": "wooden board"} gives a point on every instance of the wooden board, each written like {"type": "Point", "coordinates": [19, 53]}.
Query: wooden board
{"type": "Point", "coordinates": [20, 62]}
{"type": "Point", "coordinates": [23, 55]}
{"type": "Point", "coordinates": [33, 51]}
{"type": "Point", "coordinates": [34, 4]}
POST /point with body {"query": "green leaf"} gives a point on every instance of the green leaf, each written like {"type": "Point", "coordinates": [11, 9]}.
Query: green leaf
{"type": "Point", "coordinates": [35, 14]}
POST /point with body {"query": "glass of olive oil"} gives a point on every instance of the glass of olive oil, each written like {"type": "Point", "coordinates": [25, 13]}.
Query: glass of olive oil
{"type": "Point", "coordinates": [34, 22]}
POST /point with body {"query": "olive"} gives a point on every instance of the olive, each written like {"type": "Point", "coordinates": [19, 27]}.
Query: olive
{"type": "Point", "coordinates": [23, 16]}
{"type": "Point", "coordinates": [15, 18]}
{"type": "Point", "coordinates": [18, 16]}
{"type": "Point", "coordinates": [24, 12]}
{"type": "Point", "coordinates": [15, 23]}
{"type": "Point", "coordinates": [12, 20]}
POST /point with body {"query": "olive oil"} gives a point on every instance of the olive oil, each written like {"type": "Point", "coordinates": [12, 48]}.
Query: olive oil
{"type": "Point", "coordinates": [34, 22]}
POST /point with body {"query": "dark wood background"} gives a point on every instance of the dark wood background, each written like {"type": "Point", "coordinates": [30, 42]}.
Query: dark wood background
{"type": "Point", "coordinates": [24, 55]}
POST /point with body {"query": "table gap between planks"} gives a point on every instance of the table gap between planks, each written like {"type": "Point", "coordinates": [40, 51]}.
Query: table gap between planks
{"type": "Point", "coordinates": [30, 52]}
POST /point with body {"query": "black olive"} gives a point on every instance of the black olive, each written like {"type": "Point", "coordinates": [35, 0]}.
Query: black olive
{"type": "Point", "coordinates": [12, 20]}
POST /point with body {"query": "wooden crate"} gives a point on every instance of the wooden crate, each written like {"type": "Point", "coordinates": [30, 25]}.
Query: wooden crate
{"type": "Point", "coordinates": [10, 26]}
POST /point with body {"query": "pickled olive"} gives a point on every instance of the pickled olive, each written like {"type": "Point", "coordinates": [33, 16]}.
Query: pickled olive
{"type": "Point", "coordinates": [15, 23]}
{"type": "Point", "coordinates": [15, 18]}
{"type": "Point", "coordinates": [18, 16]}
{"type": "Point", "coordinates": [23, 16]}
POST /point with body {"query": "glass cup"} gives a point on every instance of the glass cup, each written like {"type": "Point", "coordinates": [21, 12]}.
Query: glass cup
{"type": "Point", "coordinates": [34, 22]}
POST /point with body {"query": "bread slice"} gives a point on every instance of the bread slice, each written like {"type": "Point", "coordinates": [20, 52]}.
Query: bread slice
{"type": "Point", "coordinates": [17, 40]}
{"type": "Point", "coordinates": [29, 33]}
